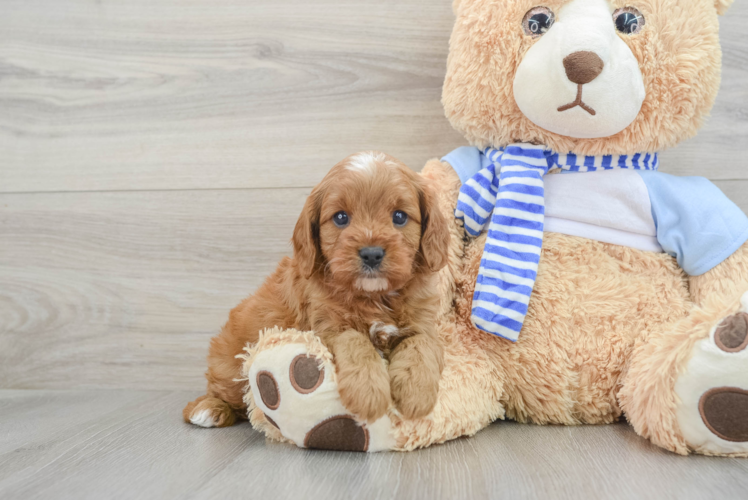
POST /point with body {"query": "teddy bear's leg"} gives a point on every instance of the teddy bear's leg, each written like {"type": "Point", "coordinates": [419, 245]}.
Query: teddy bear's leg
{"type": "Point", "coordinates": [687, 386]}
{"type": "Point", "coordinates": [294, 396]}
{"type": "Point", "coordinates": [712, 392]}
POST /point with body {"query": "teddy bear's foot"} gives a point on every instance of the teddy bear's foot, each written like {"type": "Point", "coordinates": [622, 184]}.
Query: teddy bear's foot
{"type": "Point", "coordinates": [713, 391]}
{"type": "Point", "coordinates": [293, 388]}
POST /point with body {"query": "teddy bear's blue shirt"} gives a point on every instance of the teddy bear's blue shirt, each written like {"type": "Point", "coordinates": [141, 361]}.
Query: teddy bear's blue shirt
{"type": "Point", "coordinates": [695, 221]}
{"type": "Point", "coordinates": [687, 217]}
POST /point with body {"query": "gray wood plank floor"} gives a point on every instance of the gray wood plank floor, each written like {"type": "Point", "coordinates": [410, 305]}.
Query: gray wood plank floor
{"type": "Point", "coordinates": [130, 444]}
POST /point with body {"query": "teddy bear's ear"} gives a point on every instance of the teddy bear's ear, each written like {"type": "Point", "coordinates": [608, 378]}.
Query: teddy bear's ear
{"type": "Point", "coordinates": [722, 5]}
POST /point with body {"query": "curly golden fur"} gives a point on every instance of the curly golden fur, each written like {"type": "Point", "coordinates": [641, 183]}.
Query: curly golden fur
{"type": "Point", "coordinates": [326, 288]}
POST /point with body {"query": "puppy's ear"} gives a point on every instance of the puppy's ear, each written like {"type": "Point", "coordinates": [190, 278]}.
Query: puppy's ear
{"type": "Point", "coordinates": [434, 230]}
{"type": "Point", "coordinates": [306, 243]}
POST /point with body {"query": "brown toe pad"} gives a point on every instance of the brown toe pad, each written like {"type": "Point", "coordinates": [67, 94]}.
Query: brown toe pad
{"type": "Point", "coordinates": [732, 333]}
{"type": "Point", "coordinates": [305, 374]}
{"type": "Point", "coordinates": [268, 388]}
{"type": "Point", "coordinates": [340, 433]}
{"type": "Point", "coordinates": [724, 410]}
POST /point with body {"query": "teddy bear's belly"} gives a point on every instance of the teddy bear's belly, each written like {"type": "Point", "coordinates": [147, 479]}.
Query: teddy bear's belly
{"type": "Point", "coordinates": [591, 303]}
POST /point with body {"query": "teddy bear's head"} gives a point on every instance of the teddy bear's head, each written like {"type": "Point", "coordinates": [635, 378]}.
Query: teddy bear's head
{"type": "Point", "coordinates": [589, 76]}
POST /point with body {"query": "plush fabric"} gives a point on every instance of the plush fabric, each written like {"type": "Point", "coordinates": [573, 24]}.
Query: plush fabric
{"type": "Point", "coordinates": [507, 200]}
{"type": "Point", "coordinates": [678, 54]}
{"type": "Point", "coordinates": [601, 60]}
{"type": "Point", "coordinates": [611, 331]}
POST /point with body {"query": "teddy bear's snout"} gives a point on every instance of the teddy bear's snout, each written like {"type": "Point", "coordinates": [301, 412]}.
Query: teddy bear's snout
{"type": "Point", "coordinates": [582, 67]}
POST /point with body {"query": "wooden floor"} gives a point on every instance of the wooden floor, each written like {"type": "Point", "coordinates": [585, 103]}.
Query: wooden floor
{"type": "Point", "coordinates": [154, 157]}
{"type": "Point", "coordinates": [129, 444]}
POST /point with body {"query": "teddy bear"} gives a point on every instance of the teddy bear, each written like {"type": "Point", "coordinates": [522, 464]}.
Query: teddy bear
{"type": "Point", "coordinates": [583, 285]}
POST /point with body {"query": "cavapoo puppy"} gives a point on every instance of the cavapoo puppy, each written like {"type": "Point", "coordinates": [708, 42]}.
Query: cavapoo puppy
{"type": "Point", "coordinates": [367, 247]}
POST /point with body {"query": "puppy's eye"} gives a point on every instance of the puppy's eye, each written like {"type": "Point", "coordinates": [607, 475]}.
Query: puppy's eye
{"type": "Point", "coordinates": [537, 21]}
{"type": "Point", "coordinates": [340, 219]}
{"type": "Point", "coordinates": [399, 218]}
{"type": "Point", "coordinates": [629, 21]}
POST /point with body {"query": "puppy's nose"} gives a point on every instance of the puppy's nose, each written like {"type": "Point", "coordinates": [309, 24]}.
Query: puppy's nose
{"type": "Point", "coordinates": [371, 256]}
{"type": "Point", "coordinates": [583, 67]}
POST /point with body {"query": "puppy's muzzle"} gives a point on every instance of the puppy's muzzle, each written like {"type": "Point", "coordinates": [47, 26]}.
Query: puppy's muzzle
{"type": "Point", "coordinates": [371, 257]}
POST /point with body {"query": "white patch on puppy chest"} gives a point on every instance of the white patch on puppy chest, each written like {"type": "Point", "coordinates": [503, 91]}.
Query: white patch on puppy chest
{"type": "Point", "coordinates": [365, 162]}
{"type": "Point", "coordinates": [203, 419]}
{"type": "Point", "coordinates": [381, 329]}
{"type": "Point", "coordinates": [380, 335]}
{"type": "Point", "coordinates": [372, 284]}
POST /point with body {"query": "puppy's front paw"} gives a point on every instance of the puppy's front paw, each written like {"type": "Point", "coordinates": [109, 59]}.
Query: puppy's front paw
{"type": "Point", "coordinates": [414, 390]}
{"type": "Point", "coordinates": [365, 392]}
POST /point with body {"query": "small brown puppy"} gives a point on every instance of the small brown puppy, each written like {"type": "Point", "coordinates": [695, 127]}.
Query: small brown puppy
{"type": "Point", "coordinates": [367, 247]}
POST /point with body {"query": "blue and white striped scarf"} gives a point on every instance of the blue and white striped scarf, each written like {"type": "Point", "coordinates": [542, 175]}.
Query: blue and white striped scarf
{"type": "Point", "coordinates": [508, 197]}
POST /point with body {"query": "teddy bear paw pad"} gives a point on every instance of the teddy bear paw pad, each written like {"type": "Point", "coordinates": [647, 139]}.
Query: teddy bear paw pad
{"type": "Point", "coordinates": [340, 433]}
{"type": "Point", "coordinates": [731, 334]}
{"type": "Point", "coordinates": [724, 411]}
{"type": "Point", "coordinates": [713, 390]}
{"type": "Point", "coordinates": [267, 387]}
{"type": "Point", "coordinates": [298, 395]}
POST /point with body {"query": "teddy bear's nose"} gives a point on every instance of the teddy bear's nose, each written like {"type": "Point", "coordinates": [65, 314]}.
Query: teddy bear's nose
{"type": "Point", "coordinates": [583, 66]}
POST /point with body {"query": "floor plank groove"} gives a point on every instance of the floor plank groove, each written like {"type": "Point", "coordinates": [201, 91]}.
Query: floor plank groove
{"type": "Point", "coordinates": [133, 444]}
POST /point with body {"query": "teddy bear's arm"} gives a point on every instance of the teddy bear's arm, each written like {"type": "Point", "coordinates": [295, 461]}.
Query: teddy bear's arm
{"type": "Point", "coordinates": [725, 281]}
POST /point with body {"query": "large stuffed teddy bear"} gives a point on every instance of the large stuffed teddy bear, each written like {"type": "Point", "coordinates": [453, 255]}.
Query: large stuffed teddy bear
{"type": "Point", "coordinates": [582, 284]}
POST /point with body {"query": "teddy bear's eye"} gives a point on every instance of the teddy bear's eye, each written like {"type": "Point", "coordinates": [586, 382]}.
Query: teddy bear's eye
{"type": "Point", "coordinates": [629, 20]}
{"type": "Point", "coordinates": [537, 21]}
